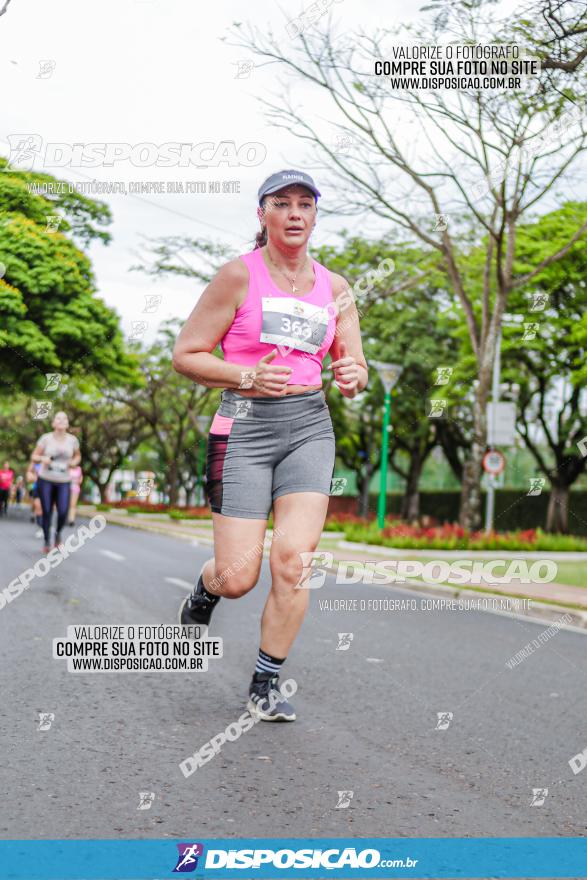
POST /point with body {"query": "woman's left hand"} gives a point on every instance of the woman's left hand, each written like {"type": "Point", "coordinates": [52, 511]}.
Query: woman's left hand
{"type": "Point", "coordinates": [346, 372]}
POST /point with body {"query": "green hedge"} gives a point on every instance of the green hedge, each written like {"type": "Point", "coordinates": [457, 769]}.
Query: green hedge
{"type": "Point", "coordinates": [513, 508]}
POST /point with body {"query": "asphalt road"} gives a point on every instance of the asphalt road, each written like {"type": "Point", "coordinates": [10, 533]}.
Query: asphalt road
{"type": "Point", "coordinates": [367, 716]}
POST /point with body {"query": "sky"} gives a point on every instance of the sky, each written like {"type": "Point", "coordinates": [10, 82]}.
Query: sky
{"type": "Point", "coordinates": [158, 71]}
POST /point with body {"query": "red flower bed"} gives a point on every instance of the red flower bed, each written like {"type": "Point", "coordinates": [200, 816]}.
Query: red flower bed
{"type": "Point", "coordinates": [136, 502]}
{"type": "Point", "coordinates": [449, 531]}
{"type": "Point", "coordinates": [156, 508]}
{"type": "Point", "coordinates": [340, 518]}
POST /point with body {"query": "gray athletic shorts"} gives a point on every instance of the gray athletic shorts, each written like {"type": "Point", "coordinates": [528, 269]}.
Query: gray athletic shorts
{"type": "Point", "coordinates": [262, 447]}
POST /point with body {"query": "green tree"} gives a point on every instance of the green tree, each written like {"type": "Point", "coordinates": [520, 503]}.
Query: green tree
{"type": "Point", "coordinates": [549, 367]}
{"type": "Point", "coordinates": [168, 407]}
{"type": "Point", "coordinates": [51, 319]}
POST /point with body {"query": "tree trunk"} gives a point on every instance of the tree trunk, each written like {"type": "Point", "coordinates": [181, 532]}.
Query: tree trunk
{"type": "Point", "coordinates": [470, 513]}
{"type": "Point", "coordinates": [557, 515]}
{"type": "Point", "coordinates": [103, 490]}
{"type": "Point", "coordinates": [410, 509]}
{"type": "Point", "coordinates": [365, 479]}
{"type": "Point", "coordinates": [173, 484]}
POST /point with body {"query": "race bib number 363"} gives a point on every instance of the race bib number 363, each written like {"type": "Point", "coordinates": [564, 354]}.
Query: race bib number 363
{"type": "Point", "coordinates": [293, 324]}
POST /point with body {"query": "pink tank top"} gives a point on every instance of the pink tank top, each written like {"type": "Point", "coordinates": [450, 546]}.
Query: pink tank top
{"type": "Point", "coordinates": [301, 328]}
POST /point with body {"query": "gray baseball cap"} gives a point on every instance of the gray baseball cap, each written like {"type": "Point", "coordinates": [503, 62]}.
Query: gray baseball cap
{"type": "Point", "coordinates": [288, 177]}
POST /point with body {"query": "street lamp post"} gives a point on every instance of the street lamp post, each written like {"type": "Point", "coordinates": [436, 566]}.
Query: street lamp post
{"type": "Point", "coordinates": [389, 374]}
{"type": "Point", "coordinates": [490, 497]}
{"type": "Point", "coordinates": [502, 424]}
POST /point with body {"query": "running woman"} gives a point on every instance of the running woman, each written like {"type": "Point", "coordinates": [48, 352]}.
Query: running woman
{"type": "Point", "coordinates": [276, 313]}
{"type": "Point", "coordinates": [6, 478]}
{"type": "Point", "coordinates": [57, 452]}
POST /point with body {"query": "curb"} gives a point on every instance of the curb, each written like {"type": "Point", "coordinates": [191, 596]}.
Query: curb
{"type": "Point", "coordinates": [379, 550]}
{"type": "Point", "coordinates": [538, 612]}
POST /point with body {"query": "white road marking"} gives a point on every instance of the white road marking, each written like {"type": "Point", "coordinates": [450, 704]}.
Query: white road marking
{"type": "Point", "coordinates": [373, 660]}
{"type": "Point", "coordinates": [112, 555]}
{"type": "Point", "coordinates": [179, 583]}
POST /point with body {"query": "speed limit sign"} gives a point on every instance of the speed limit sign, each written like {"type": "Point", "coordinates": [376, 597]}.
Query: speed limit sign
{"type": "Point", "coordinates": [493, 462]}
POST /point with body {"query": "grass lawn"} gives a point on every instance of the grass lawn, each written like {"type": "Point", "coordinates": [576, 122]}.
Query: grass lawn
{"type": "Point", "coordinates": [573, 574]}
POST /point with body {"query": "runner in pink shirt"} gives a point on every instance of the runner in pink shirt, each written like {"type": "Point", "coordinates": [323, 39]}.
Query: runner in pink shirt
{"type": "Point", "coordinates": [6, 478]}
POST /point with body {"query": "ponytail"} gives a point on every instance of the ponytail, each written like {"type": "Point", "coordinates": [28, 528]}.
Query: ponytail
{"type": "Point", "coordinates": [261, 237]}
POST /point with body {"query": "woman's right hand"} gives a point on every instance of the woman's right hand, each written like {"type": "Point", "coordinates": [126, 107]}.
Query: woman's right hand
{"type": "Point", "coordinates": [270, 378]}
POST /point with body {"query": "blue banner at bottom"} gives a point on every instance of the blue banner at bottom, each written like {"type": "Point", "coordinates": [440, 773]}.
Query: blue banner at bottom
{"type": "Point", "coordinates": [225, 858]}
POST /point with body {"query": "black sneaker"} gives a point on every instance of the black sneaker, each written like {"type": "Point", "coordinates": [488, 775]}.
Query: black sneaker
{"type": "Point", "coordinates": [266, 701]}
{"type": "Point", "coordinates": [197, 608]}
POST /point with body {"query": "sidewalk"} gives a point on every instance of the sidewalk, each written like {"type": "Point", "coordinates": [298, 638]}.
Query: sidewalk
{"type": "Point", "coordinates": [549, 601]}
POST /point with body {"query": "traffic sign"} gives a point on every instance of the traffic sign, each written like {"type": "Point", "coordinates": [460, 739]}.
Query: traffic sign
{"type": "Point", "coordinates": [501, 423]}
{"type": "Point", "coordinates": [493, 462]}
